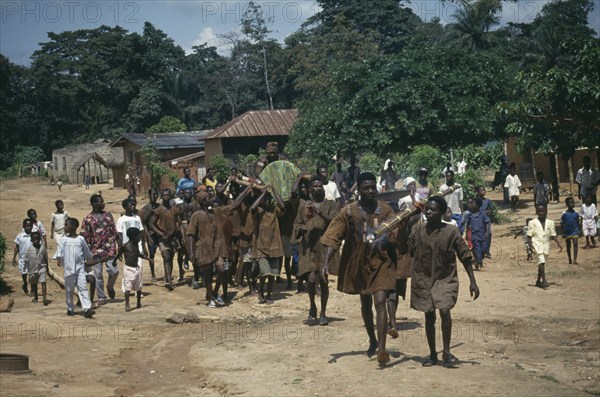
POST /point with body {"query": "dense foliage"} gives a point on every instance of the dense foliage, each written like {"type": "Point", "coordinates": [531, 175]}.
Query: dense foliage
{"type": "Point", "coordinates": [367, 76]}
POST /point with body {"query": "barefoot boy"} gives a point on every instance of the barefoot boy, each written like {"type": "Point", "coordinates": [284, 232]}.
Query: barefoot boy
{"type": "Point", "coordinates": [540, 232]}
{"type": "Point", "coordinates": [22, 242]}
{"type": "Point", "coordinates": [132, 271]}
{"type": "Point", "coordinates": [36, 263]}
{"type": "Point", "coordinates": [435, 279]}
{"type": "Point", "coordinates": [57, 222]}
{"type": "Point", "coordinates": [570, 225]}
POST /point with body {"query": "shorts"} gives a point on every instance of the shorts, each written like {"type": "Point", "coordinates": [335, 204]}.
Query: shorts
{"type": "Point", "coordinates": [541, 259]}
{"type": "Point", "coordinates": [589, 227]}
{"type": "Point", "coordinates": [246, 254]}
{"type": "Point", "coordinates": [153, 242]}
{"type": "Point", "coordinates": [169, 245]}
{"type": "Point", "coordinates": [35, 278]}
{"type": "Point", "coordinates": [287, 246]}
{"type": "Point", "coordinates": [268, 266]}
{"type": "Point", "coordinates": [132, 278]}
{"type": "Point", "coordinates": [90, 277]}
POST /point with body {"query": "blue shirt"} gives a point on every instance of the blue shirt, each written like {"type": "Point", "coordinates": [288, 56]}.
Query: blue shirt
{"type": "Point", "coordinates": [486, 206]}
{"type": "Point", "coordinates": [477, 221]}
{"type": "Point", "coordinates": [570, 223]}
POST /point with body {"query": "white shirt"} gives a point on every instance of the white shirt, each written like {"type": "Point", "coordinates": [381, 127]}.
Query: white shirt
{"type": "Point", "coordinates": [38, 226]}
{"type": "Point", "coordinates": [73, 251]}
{"type": "Point", "coordinates": [125, 222]}
{"type": "Point", "coordinates": [453, 199]}
{"type": "Point", "coordinates": [586, 178]}
{"type": "Point", "coordinates": [23, 240]}
{"type": "Point", "coordinates": [331, 191]}
{"type": "Point", "coordinates": [513, 183]}
{"type": "Point", "coordinates": [588, 212]}
{"type": "Point", "coordinates": [461, 167]}
{"type": "Point", "coordinates": [59, 220]}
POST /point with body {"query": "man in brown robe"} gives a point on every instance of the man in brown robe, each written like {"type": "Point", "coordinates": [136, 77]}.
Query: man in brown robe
{"type": "Point", "coordinates": [365, 269]}
{"type": "Point", "coordinates": [267, 248]}
{"type": "Point", "coordinates": [434, 282]}
{"type": "Point", "coordinates": [311, 222]}
{"type": "Point", "coordinates": [164, 222]}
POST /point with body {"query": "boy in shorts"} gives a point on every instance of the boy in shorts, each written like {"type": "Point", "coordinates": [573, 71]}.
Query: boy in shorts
{"type": "Point", "coordinates": [36, 263]}
{"type": "Point", "coordinates": [132, 271]}
{"type": "Point", "coordinates": [589, 213]}
{"type": "Point", "coordinates": [540, 232]}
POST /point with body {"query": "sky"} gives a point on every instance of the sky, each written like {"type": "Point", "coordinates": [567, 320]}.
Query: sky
{"type": "Point", "coordinates": [24, 24]}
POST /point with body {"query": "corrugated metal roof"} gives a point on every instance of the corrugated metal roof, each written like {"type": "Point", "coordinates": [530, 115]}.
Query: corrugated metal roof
{"type": "Point", "coordinates": [186, 158]}
{"type": "Point", "coordinates": [257, 123]}
{"type": "Point", "coordinates": [162, 141]}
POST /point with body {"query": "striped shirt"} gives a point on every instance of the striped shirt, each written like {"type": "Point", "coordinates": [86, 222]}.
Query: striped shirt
{"type": "Point", "coordinates": [73, 251]}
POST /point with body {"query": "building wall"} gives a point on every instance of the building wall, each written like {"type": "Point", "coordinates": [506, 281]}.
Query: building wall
{"type": "Point", "coordinates": [66, 157]}
{"type": "Point", "coordinates": [212, 148]}
{"type": "Point", "coordinates": [542, 162]}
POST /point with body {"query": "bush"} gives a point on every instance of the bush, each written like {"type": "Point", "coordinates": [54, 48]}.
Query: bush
{"type": "Point", "coordinates": [469, 181]}
{"type": "Point", "coordinates": [221, 165]}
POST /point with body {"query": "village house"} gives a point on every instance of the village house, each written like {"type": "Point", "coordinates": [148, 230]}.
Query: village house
{"type": "Point", "coordinates": [250, 132]}
{"type": "Point", "coordinates": [172, 149]}
{"type": "Point", "coordinates": [74, 162]}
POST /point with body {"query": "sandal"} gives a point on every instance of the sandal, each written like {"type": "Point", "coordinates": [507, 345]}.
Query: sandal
{"type": "Point", "coordinates": [450, 360]}
{"type": "Point", "coordinates": [430, 362]}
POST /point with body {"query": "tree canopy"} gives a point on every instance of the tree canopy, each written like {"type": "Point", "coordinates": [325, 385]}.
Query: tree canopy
{"type": "Point", "coordinates": [365, 76]}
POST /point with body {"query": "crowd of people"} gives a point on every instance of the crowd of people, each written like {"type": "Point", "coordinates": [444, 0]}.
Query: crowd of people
{"type": "Point", "coordinates": [239, 232]}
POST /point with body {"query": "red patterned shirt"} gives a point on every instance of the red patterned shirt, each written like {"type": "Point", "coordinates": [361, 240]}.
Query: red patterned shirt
{"type": "Point", "coordinates": [99, 231]}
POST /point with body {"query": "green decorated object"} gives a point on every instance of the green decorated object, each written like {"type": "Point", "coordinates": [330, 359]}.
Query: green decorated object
{"type": "Point", "coordinates": [281, 174]}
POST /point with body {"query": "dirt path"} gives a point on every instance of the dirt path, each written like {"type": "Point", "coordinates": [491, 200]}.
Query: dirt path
{"type": "Point", "coordinates": [515, 340]}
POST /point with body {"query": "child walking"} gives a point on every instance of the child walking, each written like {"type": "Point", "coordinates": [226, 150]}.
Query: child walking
{"type": "Point", "coordinates": [479, 223]}
{"type": "Point", "coordinates": [73, 254]}
{"type": "Point", "coordinates": [22, 242]}
{"type": "Point", "coordinates": [57, 221]}
{"type": "Point", "coordinates": [36, 263]}
{"type": "Point", "coordinates": [570, 226]}
{"type": "Point", "coordinates": [540, 232]}
{"type": "Point", "coordinates": [434, 284]}
{"type": "Point", "coordinates": [513, 183]}
{"type": "Point", "coordinates": [132, 271]}
{"type": "Point", "coordinates": [589, 213]}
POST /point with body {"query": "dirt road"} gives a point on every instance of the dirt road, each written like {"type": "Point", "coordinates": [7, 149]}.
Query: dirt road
{"type": "Point", "coordinates": [515, 340]}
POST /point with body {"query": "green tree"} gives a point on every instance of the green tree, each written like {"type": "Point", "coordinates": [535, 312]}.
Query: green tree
{"type": "Point", "coordinates": [474, 20]}
{"type": "Point", "coordinates": [167, 124]}
{"type": "Point", "coordinates": [254, 26]}
{"type": "Point", "coordinates": [429, 94]}
{"type": "Point", "coordinates": [559, 109]}
{"type": "Point", "coordinates": [389, 21]}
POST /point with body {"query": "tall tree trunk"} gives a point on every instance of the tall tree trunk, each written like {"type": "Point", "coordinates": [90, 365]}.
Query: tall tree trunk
{"type": "Point", "coordinates": [264, 51]}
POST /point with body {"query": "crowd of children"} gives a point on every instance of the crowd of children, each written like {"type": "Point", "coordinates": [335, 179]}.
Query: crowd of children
{"type": "Point", "coordinates": [235, 231]}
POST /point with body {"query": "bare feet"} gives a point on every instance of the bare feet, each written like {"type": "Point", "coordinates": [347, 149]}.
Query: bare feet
{"type": "Point", "coordinates": [372, 348]}
{"type": "Point", "coordinates": [383, 357]}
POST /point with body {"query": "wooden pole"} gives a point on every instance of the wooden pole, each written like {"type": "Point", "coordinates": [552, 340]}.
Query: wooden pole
{"type": "Point", "coordinates": [557, 163]}
{"type": "Point", "coordinates": [570, 163]}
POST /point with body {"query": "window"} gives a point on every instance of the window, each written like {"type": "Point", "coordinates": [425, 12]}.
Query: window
{"type": "Point", "coordinates": [64, 161]}
{"type": "Point", "coordinates": [130, 157]}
